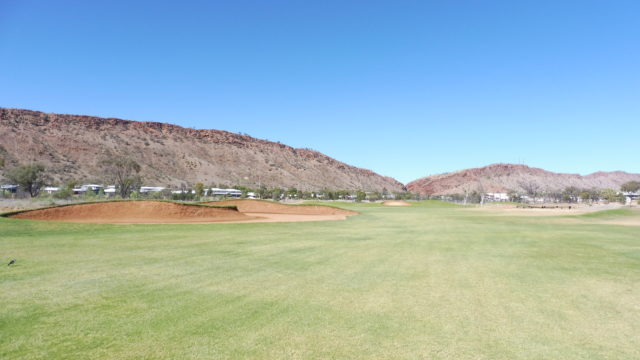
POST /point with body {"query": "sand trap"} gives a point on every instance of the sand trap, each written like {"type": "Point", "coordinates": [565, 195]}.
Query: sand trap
{"type": "Point", "coordinates": [255, 207]}
{"type": "Point", "coordinates": [135, 212]}
{"type": "Point", "coordinates": [163, 212]}
{"type": "Point", "coordinates": [396, 203]}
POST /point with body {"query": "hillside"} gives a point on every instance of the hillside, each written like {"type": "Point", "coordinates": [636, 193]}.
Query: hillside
{"type": "Point", "coordinates": [70, 146]}
{"type": "Point", "coordinates": [505, 177]}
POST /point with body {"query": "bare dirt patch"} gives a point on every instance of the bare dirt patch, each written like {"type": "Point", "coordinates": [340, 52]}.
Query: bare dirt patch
{"type": "Point", "coordinates": [135, 212]}
{"type": "Point", "coordinates": [396, 203]}
{"type": "Point", "coordinates": [162, 212]}
{"type": "Point", "coordinates": [267, 207]}
{"type": "Point", "coordinates": [544, 210]}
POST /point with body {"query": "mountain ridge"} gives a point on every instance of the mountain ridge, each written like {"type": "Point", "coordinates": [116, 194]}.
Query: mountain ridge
{"type": "Point", "coordinates": [503, 177]}
{"type": "Point", "coordinates": [70, 145]}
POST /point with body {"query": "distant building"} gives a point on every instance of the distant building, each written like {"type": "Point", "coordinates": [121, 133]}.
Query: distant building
{"type": "Point", "coordinates": [630, 196]}
{"type": "Point", "coordinates": [88, 187]}
{"type": "Point", "coordinates": [151, 189]}
{"type": "Point", "coordinates": [490, 197]}
{"type": "Point", "coordinates": [51, 189]}
{"type": "Point", "coordinates": [11, 189]}
{"type": "Point", "coordinates": [225, 192]}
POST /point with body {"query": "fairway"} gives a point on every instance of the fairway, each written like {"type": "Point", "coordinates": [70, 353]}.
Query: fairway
{"type": "Point", "coordinates": [431, 281]}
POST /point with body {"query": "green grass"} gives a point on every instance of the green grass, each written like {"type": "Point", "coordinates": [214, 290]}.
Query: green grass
{"type": "Point", "coordinates": [610, 213]}
{"type": "Point", "coordinates": [427, 281]}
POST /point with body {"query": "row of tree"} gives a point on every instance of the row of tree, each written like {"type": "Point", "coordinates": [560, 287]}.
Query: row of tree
{"type": "Point", "coordinates": [124, 173]}
{"type": "Point", "coordinates": [119, 170]}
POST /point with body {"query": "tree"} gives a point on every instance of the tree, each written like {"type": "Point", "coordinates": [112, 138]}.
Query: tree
{"type": "Point", "coordinates": [30, 177]}
{"type": "Point", "coordinates": [631, 186]}
{"type": "Point", "coordinates": [612, 196]}
{"type": "Point", "coordinates": [570, 194]}
{"type": "Point", "coordinates": [123, 172]}
{"type": "Point", "coordinates": [531, 188]}
{"type": "Point", "coordinates": [360, 195]}
{"type": "Point", "coordinates": [199, 189]}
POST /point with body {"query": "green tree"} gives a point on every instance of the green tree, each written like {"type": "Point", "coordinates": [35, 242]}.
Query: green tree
{"type": "Point", "coordinates": [360, 195]}
{"type": "Point", "coordinates": [374, 196]}
{"type": "Point", "coordinates": [570, 194]}
{"type": "Point", "coordinates": [122, 171]}
{"type": "Point", "coordinates": [585, 196]}
{"type": "Point", "coordinates": [612, 195]}
{"type": "Point", "coordinates": [631, 186]}
{"type": "Point", "coordinates": [199, 189]}
{"type": "Point", "coordinates": [31, 177]}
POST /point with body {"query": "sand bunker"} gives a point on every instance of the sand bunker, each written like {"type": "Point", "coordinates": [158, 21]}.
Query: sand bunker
{"type": "Point", "coordinates": [267, 211]}
{"type": "Point", "coordinates": [268, 207]}
{"type": "Point", "coordinates": [135, 212]}
{"type": "Point", "coordinates": [396, 203]}
{"type": "Point", "coordinates": [163, 212]}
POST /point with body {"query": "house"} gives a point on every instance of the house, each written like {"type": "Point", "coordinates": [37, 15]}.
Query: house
{"type": "Point", "coordinates": [150, 189]}
{"type": "Point", "coordinates": [11, 189]}
{"type": "Point", "coordinates": [88, 187]}
{"type": "Point", "coordinates": [631, 196]}
{"type": "Point", "coordinates": [51, 189]}
{"type": "Point", "coordinates": [225, 192]}
{"type": "Point", "coordinates": [491, 197]}
{"type": "Point", "coordinates": [183, 191]}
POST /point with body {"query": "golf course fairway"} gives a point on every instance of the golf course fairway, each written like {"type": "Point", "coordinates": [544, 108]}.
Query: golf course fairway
{"type": "Point", "coordinates": [427, 281]}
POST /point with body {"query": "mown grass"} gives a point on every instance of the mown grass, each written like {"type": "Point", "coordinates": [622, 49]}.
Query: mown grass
{"type": "Point", "coordinates": [611, 213]}
{"type": "Point", "coordinates": [424, 281]}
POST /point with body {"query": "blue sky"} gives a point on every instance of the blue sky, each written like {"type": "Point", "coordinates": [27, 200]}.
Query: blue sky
{"type": "Point", "coordinates": [405, 88]}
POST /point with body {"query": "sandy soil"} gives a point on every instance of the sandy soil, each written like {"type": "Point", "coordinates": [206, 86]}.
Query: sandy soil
{"type": "Point", "coordinates": [135, 212]}
{"type": "Point", "coordinates": [267, 207]}
{"type": "Point", "coordinates": [396, 203]}
{"type": "Point", "coordinates": [160, 212]}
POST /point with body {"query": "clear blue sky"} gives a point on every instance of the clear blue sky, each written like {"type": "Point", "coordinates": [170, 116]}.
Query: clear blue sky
{"type": "Point", "coordinates": [405, 88]}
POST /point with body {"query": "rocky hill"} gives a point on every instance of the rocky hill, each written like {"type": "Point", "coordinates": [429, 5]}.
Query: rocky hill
{"type": "Point", "coordinates": [71, 145]}
{"type": "Point", "coordinates": [505, 177]}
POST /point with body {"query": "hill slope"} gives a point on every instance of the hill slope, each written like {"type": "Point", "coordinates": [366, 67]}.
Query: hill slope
{"type": "Point", "coordinates": [505, 177]}
{"type": "Point", "coordinates": [71, 145]}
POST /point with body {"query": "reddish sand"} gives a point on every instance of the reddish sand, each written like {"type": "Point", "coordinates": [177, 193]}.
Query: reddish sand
{"type": "Point", "coordinates": [396, 203]}
{"type": "Point", "coordinates": [161, 212]}
{"type": "Point", "coordinates": [268, 207]}
{"type": "Point", "coordinates": [135, 212]}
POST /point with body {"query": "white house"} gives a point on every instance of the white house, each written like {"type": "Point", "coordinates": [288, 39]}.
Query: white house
{"type": "Point", "coordinates": [51, 189]}
{"type": "Point", "coordinates": [225, 192]}
{"type": "Point", "coordinates": [88, 187]}
{"type": "Point", "coordinates": [630, 196]}
{"type": "Point", "coordinates": [496, 197]}
{"type": "Point", "coordinates": [150, 189]}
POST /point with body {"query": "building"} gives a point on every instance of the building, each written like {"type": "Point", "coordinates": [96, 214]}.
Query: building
{"type": "Point", "coordinates": [631, 196]}
{"type": "Point", "coordinates": [224, 192]}
{"type": "Point", "coordinates": [51, 189]}
{"type": "Point", "coordinates": [9, 189]}
{"type": "Point", "coordinates": [150, 189]}
{"type": "Point", "coordinates": [88, 187]}
{"type": "Point", "coordinates": [491, 197]}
